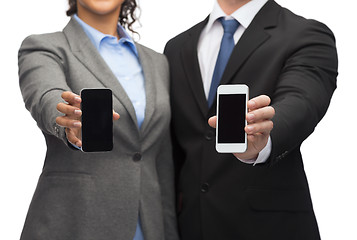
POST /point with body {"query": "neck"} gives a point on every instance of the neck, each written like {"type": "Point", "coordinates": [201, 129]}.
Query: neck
{"type": "Point", "coordinates": [230, 6]}
{"type": "Point", "coordinates": [106, 24]}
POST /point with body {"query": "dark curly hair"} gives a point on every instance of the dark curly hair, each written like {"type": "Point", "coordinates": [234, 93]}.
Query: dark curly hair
{"type": "Point", "coordinates": [127, 15]}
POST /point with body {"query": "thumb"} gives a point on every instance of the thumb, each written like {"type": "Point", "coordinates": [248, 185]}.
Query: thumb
{"type": "Point", "coordinates": [212, 121]}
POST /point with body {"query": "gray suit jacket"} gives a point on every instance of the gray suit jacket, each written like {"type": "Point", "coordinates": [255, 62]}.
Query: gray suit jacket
{"type": "Point", "coordinates": [98, 195]}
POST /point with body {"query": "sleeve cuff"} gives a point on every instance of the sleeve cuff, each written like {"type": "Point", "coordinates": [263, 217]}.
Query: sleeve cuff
{"type": "Point", "coordinates": [72, 145]}
{"type": "Point", "coordinates": [262, 156]}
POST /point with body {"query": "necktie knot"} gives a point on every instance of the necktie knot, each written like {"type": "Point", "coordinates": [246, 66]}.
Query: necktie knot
{"type": "Point", "coordinates": [230, 26]}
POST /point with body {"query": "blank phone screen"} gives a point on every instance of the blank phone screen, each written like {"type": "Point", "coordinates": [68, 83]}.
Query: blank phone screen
{"type": "Point", "coordinates": [97, 120]}
{"type": "Point", "coordinates": [231, 118]}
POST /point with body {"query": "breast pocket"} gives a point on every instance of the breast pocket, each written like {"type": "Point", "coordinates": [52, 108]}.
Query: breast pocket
{"type": "Point", "coordinates": [281, 214]}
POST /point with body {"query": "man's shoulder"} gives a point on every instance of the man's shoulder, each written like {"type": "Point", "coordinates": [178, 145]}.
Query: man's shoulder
{"type": "Point", "coordinates": [299, 22]}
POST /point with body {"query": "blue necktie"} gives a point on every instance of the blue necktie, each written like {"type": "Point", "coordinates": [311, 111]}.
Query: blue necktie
{"type": "Point", "coordinates": [227, 45]}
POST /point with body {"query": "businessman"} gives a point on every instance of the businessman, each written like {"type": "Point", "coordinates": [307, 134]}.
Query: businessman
{"type": "Point", "coordinates": [290, 66]}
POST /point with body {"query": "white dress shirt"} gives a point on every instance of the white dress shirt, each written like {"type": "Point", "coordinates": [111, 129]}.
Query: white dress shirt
{"type": "Point", "coordinates": [209, 44]}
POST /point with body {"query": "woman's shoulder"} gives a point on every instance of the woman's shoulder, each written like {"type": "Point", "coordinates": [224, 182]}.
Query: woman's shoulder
{"type": "Point", "coordinates": [147, 50]}
{"type": "Point", "coordinates": [44, 41]}
{"type": "Point", "coordinates": [148, 54]}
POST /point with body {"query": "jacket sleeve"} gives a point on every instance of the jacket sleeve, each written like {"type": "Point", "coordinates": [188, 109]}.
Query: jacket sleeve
{"type": "Point", "coordinates": [42, 80]}
{"type": "Point", "coordinates": [304, 89]}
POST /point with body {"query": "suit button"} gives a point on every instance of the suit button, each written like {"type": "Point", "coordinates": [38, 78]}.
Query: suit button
{"type": "Point", "coordinates": [137, 157]}
{"type": "Point", "coordinates": [209, 135]}
{"type": "Point", "coordinates": [204, 187]}
{"type": "Point", "coordinates": [57, 130]}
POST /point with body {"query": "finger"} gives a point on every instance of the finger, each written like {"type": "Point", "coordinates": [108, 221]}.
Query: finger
{"type": "Point", "coordinates": [69, 110]}
{"type": "Point", "coordinates": [258, 102]}
{"type": "Point", "coordinates": [265, 113]}
{"type": "Point", "coordinates": [68, 123]}
{"type": "Point", "coordinates": [116, 115]}
{"type": "Point", "coordinates": [257, 142]}
{"type": "Point", "coordinates": [72, 138]}
{"type": "Point", "coordinates": [263, 127]}
{"type": "Point", "coordinates": [72, 99]}
{"type": "Point", "coordinates": [212, 121]}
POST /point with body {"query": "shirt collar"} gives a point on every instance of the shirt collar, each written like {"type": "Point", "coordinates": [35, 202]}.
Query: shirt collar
{"type": "Point", "coordinates": [96, 36]}
{"type": "Point", "coordinates": [244, 15]}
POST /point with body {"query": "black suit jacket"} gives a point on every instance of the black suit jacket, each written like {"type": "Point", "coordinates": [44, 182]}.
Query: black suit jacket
{"type": "Point", "coordinates": [290, 59]}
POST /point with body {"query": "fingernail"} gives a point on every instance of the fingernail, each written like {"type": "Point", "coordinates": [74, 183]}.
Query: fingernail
{"type": "Point", "coordinates": [77, 112]}
{"type": "Point", "coordinates": [250, 116]}
{"type": "Point", "coordinates": [249, 128]}
{"type": "Point", "coordinates": [78, 99]}
{"type": "Point", "coordinates": [77, 124]}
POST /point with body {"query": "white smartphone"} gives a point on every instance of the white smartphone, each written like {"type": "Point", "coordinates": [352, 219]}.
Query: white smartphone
{"type": "Point", "coordinates": [231, 118]}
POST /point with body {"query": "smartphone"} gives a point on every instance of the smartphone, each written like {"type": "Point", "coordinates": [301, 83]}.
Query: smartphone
{"type": "Point", "coordinates": [97, 119]}
{"type": "Point", "coordinates": [231, 118]}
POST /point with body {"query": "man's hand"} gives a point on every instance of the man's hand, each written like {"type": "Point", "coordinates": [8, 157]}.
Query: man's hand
{"type": "Point", "coordinates": [258, 128]}
{"type": "Point", "coordinates": [72, 117]}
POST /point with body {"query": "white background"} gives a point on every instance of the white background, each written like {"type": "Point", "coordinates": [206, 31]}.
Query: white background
{"type": "Point", "coordinates": [329, 155]}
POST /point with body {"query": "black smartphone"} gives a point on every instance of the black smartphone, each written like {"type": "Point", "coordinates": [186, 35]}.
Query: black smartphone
{"type": "Point", "coordinates": [97, 119]}
{"type": "Point", "coordinates": [231, 118]}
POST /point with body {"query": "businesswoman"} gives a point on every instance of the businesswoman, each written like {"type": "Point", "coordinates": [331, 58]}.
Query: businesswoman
{"type": "Point", "coordinates": [123, 194]}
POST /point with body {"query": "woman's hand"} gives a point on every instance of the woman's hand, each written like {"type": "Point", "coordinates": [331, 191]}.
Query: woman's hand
{"type": "Point", "coordinates": [72, 117]}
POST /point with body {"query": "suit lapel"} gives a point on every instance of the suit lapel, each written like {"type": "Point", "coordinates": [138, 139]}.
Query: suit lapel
{"type": "Point", "coordinates": [88, 55]}
{"type": "Point", "coordinates": [192, 68]}
{"type": "Point", "coordinates": [254, 36]}
{"type": "Point", "coordinates": [250, 41]}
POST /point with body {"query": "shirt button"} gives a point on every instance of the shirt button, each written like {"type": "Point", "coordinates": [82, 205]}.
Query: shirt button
{"type": "Point", "coordinates": [137, 157]}
{"type": "Point", "coordinates": [204, 187]}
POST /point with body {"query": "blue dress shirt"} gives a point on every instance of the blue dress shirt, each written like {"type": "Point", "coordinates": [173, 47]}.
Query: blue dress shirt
{"type": "Point", "coordinates": [122, 58]}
